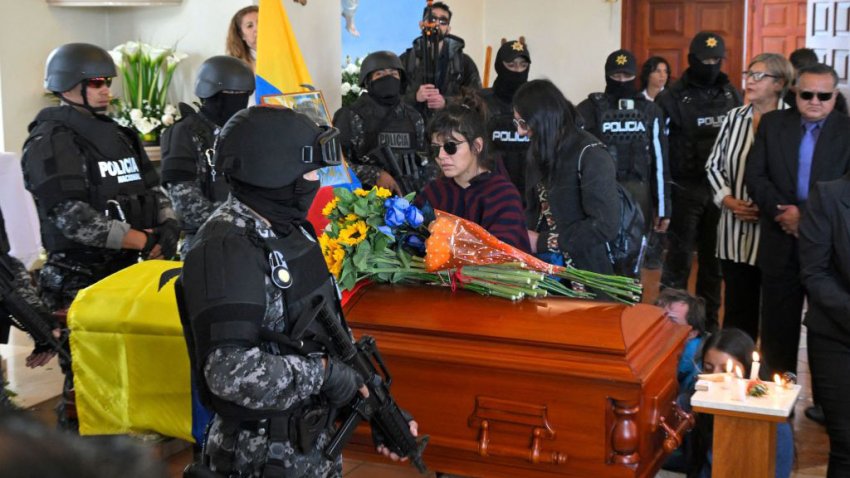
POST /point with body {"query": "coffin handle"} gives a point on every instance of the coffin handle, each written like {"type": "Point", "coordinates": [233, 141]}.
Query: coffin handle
{"type": "Point", "coordinates": [673, 437]}
{"type": "Point", "coordinates": [534, 454]}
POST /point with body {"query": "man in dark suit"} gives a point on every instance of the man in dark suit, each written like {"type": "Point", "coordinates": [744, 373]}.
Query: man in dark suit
{"type": "Point", "coordinates": [793, 149]}
{"type": "Point", "coordinates": [825, 271]}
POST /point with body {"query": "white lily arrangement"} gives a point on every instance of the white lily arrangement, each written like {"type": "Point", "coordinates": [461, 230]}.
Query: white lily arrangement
{"type": "Point", "coordinates": [146, 72]}
{"type": "Point", "coordinates": [351, 89]}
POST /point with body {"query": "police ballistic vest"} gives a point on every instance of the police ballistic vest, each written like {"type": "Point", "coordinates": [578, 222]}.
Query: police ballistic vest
{"type": "Point", "coordinates": [626, 133]}
{"type": "Point", "coordinates": [308, 284]}
{"type": "Point", "coordinates": [701, 112]}
{"type": "Point", "coordinates": [500, 127]}
{"type": "Point", "coordinates": [394, 127]}
{"type": "Point", "coordinates": [201, 133]}
{"type": "Point", "coordinates": [73, 155]}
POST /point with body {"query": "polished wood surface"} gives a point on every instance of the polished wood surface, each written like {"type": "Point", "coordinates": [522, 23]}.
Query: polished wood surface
{"type": "Point", "coordinates": [538, 388]}
{"type": "Point", "coordinates": [776, 26]}
{"type": "Point", "coordinates": [666, 27]}
{"type": "Point", "coordinates": [743, 447]}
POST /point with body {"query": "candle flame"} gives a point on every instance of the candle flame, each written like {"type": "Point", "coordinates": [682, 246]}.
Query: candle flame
{"type": "Point", "coordinates": [755, 356]}
{"type": "Point", "coordinates": [738, 372]}
{"type": "Point", "coordinates": [729, 366]}
{"type": "Point", "coordinates": [776, 379]}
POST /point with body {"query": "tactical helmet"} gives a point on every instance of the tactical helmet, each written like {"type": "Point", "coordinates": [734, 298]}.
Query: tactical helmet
{"type": "Point", "coordinates": [381, 60]}
{"type": "Point", "coordinates": [272, 146]}
{"type": "Point", "coordinates": [707, 45]}
{"type": "Point", "coordinates": [72, 63]}
{"type": "Point", "coordinates": [221, 73]}
{"type": "Point", "coordinates": [621, 61]}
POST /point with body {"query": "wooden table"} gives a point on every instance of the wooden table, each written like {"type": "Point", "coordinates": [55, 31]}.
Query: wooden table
{"type": "Point", "coordinates": [744, 441]}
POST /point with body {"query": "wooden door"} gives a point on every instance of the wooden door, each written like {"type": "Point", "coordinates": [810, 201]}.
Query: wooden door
{"type": "Point", "coordinates": [776, 26]}
{"type": "Point", "coordinates": [828, 33]}
{"type": "Point", "coordinates": [666, 27]}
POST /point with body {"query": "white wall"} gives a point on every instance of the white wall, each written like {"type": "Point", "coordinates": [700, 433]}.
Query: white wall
{"type": "Point", "coordinates": [199, 29]}
{"type": "Point", "coordinates": [30, 31]}
{"type": "Point", "coordinates": [568, 39]}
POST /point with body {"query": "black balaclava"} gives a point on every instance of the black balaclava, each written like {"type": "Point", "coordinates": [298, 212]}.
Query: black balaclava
{"type": "Point", "coordinates": [385, 90]}
{"type": "Point", "coordinates": [284, 207]}
{"type": "Point", "coordinates": [620, 89]}
{"type": "Point", "coordinates": [702, 74]}
{"type": "Point", "coordinates": [507, 81]}
{"type": "Point", "coordinates": [219, 107]}
{"type": "Point", "coordinates": [620, 61]}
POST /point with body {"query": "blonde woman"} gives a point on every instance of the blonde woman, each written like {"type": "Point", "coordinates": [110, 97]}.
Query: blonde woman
{"type": "Point", "coordinates": [768, 77]}
{"type": "Point", "coordinates": [242, 35]}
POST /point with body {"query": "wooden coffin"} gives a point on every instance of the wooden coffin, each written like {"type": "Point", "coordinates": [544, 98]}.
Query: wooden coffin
{"type": "Point", "coordinates": [538, 388]}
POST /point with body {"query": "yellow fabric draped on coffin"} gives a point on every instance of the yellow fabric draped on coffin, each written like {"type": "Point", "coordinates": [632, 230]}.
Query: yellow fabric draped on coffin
{"type": "Point", "coordinates": [131, 368]}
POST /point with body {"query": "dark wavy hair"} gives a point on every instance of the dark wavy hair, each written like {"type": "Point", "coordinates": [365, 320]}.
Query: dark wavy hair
{"type": "Point", "coordinates": [696, 307]}
{"type": "Point", "coordinates": [551, 119]}
{"type": "Point", "coordinates": [465, 116]}
{"type": "Point", "coordinates": [734, 342]}
{"type": "Point", "coordinates": [649, 66]}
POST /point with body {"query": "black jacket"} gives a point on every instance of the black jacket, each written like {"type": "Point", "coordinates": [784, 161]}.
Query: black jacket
{"type": "Point", "coordinates": [825, 259]}
{"type": "Point", "coordinates": [461, 71]}
{"type": "Point", "coordinates": [586, 213]}
{"type": "Point", "coordinates": [771, 175]}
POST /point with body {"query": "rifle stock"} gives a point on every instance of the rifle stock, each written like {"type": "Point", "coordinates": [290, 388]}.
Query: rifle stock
{"type": "Point", "coordinates": [387, 160]}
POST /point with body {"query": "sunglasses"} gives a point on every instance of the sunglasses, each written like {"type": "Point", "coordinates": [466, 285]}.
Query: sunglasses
{"type": "Point", "coordinates": [809, 95]}
{"type": "Point", "coordinates": [96, 83]}
{"type": "Point", "coordinates": [444, 21]}
{"type": "Point", "coordinates": [759, 75]}
{"type": "Point", "coordinates": [450, 147]}
{"type": "Point", "coordinates": [520, 123]}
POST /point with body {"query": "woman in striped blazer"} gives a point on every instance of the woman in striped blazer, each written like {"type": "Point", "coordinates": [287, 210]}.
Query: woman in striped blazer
{"type": "Point", "coordinates": [768, 77]}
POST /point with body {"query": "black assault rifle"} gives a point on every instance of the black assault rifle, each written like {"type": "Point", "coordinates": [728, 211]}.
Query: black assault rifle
{"type": "Point", "coordinates": [428, 47]}
{"type": "Point", "coordinates": [385, 158]}
{"type": "Point", "coordinates": [24, 315]}
{"type": "Point", "coordinates": [380, 409]}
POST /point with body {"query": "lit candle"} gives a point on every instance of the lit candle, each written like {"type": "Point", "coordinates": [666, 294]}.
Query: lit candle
{"type": "Point", "coordinates": [754, 370]}
{"type": "Point", "coordinates": [740, 385]}
{"type": "Point", "coordinates": [727, 379]}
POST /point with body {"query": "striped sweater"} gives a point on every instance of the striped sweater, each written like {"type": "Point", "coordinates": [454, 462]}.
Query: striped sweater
{"type": "Point", "coordinates": [737, 240]}
{"type": "Point", "coordinates": [491, 201]}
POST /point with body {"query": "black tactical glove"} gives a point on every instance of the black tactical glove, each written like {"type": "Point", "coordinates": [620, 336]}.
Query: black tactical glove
{"type": "Point", "coordinates": [341, 383]}
{"type": "Point", "coordinates": [167, 235]}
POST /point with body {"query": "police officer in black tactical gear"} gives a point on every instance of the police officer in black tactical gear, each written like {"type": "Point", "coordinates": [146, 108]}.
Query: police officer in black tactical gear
{"type": "Point", "coordinates": [248, 299]}
{"type": "Point", "coordinates": [436, 65]}
{"type": "Point", "coordinates": [633, 130]}
{"type": "Point", "coordinates": [512, 63]}
{"type": "Point", "coordinates": [379, 120]}
{"type": "Point", "coordinates": [695, 106]}
{"type": "Point", "coordinates": [224, 84]}
{"type": "Point", "coordinates": [96, 191]}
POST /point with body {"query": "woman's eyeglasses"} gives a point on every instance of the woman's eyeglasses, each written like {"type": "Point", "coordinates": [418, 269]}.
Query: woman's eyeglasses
{"type": "Point", "coordinates": [759, 75]}
{"type": "Point", "coordinates": [809, 95]}
{"type": "Point", "coordinates": [450, 147]}
{"type": "Point", "coordinates": [520, 123]}
{"type": "Point", "coordinates": [96, 83]}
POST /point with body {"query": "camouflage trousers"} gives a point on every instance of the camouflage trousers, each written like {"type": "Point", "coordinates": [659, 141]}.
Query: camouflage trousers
{"type": "Point", "coordinates": [249, 449]}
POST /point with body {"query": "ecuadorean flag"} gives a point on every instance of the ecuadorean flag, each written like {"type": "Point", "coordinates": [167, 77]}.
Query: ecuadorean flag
{"type": "Point", "coordinates": [280, 65]}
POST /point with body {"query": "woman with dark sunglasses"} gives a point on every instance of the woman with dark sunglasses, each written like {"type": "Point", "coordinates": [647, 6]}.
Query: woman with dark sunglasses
{"type": "Point", "coordinates": [571, 186]}
{"type": "Point", "coordinates": [469, 186]}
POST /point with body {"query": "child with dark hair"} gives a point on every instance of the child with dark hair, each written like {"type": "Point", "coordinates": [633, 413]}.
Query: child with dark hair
{"type": "Point", "coordinates": [685, 309]}
{"type": "Point", "coordinates": [737, 346]}
{"type": "Point", "coordinates": [469, 186]}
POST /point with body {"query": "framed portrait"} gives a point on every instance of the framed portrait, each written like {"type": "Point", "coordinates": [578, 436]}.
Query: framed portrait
{"type": "Point", "coordinates": [310, 103]}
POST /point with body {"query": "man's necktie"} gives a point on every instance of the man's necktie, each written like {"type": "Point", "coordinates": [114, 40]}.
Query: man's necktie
{"type": "Point", "coordinates": [804, 168]}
